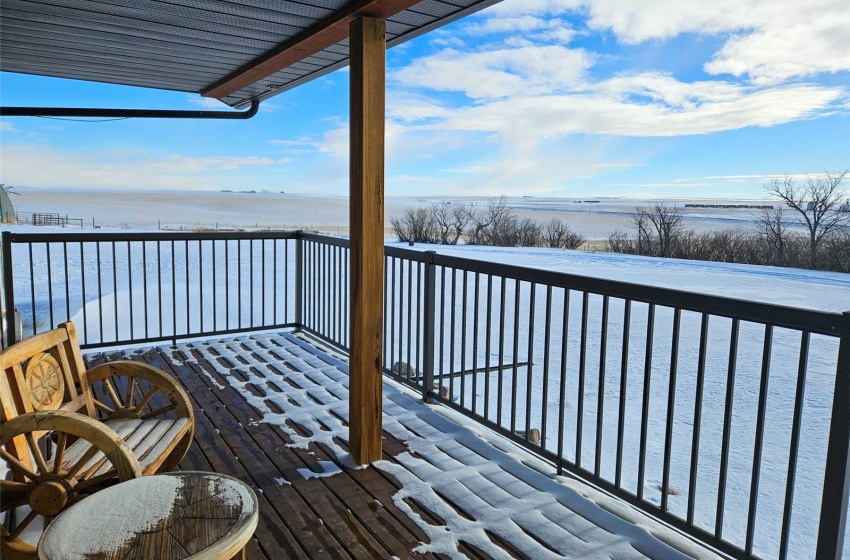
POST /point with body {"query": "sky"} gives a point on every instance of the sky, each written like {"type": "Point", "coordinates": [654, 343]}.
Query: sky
{"type": "Point", "coordinates": [569, 98]}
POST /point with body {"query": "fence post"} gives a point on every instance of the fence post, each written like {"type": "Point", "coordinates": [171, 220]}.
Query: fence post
{"type": "Point", "coordinates": [836, 481]}
{"type": "Point", "coordinates": [299, 279]}
{"type": "Point", "coordinates": [429, 327]}
{"type": "Point", "coordinates": [8, 290]}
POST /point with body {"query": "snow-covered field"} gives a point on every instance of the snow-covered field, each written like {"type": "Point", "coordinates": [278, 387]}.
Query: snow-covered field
{"type": "Point", "coordinates": [191, 210]}
{"type": "Point", "coordinates": [821, 291]}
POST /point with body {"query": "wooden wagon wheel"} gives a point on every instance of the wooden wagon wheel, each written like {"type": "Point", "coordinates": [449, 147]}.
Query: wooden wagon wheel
{"type": "Point", "coordinates": [129, 389]}
{"type": "Point", "coordinates": [97, 457]}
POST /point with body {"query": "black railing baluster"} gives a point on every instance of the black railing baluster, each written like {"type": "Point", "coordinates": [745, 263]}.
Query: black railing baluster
{"type": "Point", "coordinates": [727, 428]}
{"type": "Point", "coordinates": [502, 289]}
{"type": "Point", "coordinates": [420, 301]}
{"type": "Point", "coordinates": [410, 362]}
{"type": "Point", "coordinates": [226, 284]}
{"type": "Point", "coordinates": [83, 290]}
{"type": "Point", "coordinates": [386, 325]}
{"type": "Point", "coordinates": [562, 400]}
{"type": "Point", "coordinates": [430, 308]}
{"type": "Point", "coordinates": [794, 447]}
{"type": "Point", "coordinates": [544, 405]}
{"type": "Point", "coordinates": [67, 281]}
{"type": "Point", "coordinates": [186, 277]}
{"type": "Point", "coordinates": [9, 288]}
{"type": "Point", "coordinates": [452, 330]}
{"type": "Point", "coordinates": [239, 297]}
{"type": "Point", "coordinates": [463, 308]}
{"type": "Point", "coordinates": [514, 373]}
{"type": "Point", "coordinates": [442, 299]}
{"type": "Point", "coordinates": [392, 316]}
{"type": "Point", "coordinates": [159, 284]}
{"type": "Point", "coordinates": [132, 299]}
{"type": "Point", "coordinates": [475, 330]}
{"type": "Point", "coordinates": [529, 378]}
{"type": "Point", "coordinates": [200, 285]}
{"type": "Point", "coordinates": [346, 291]}
{"type": "Point", "coordinates": [323, 289]}
{"type": "Point", "coordinates": [32, 289]}
{"type": "Point", "coordinates": [264, 253]}
{"type": "Point", "coordinates": [114, 291]}
{"type": "Point", "coordinates": [600, 392]}
{"type": "Point", "coordinates": [692, 483]}
{"type": "Point", "coordinates": [49, 285]}
{"type": "Point", "coordinates": [585, 301]}
{"type": "Point", "coordinates": [251, 282]}
{"type": "Point", "coordinates": [487, 336]}
{"type": "Point", "coordinates": [758, 447]}
{"type": "Point", "coordinates": [624, 373]}
{"type": "Point", "coordinates": [173, 295]}
{"type": "Point", "coordinates": [99, 291]}
{"type": "Point", "coordinates": [644, 413]}
{"type": "Point", "coordinates": [299, 283]}
{"type": "Point", "coordinates": [671, 407]}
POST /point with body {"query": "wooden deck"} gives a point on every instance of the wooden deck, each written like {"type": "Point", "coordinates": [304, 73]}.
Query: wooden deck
{"type": "Point", "coordinates": [270, 410]}
{"type": "Point", "coordinates": [347, 516]}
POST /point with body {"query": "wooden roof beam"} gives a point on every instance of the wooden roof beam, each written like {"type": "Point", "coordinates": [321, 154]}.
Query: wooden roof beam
{"type": "Point", "coordinates": [327, 32]}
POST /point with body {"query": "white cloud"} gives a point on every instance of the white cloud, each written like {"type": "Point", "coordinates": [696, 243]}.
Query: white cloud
{"type": "Point", "coordinates": [497, 73]}
{"type": "Point", "coordinates": [37, 165]}
{"type": "Point", "coordinates": [817, 43]}
{"type": "Point", "coordinates": [769, 41]}
{"type": "Point", "coordinates": [6, 126]}
{"type": "Point", "coordinates": [677, 111]}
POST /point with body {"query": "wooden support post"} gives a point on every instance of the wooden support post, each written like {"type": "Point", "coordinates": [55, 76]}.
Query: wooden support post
{"type": "Point", "coordinates": [367, 45]}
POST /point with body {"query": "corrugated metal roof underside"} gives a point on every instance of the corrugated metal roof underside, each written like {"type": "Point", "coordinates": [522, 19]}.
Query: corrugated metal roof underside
{"type": "Point", "coordinates": [186, 45]}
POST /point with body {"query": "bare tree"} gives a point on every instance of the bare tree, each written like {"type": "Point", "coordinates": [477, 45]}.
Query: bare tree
{"type": "Point", "coordinates": [619, 242]}
{"type": "Point", "coordinates": [772, 226]}
{"type": "Point", "coordinates": [450, 221]}
{"type": "Point", "coordinates": [524, 233]}
{"type": "Point", "coordinates": [415, 224]}
{"type": "Point", "coordinates": [558, 235]}
{"type": "Point", "coordinates": [657, 228]}
{"type": "Point", "coordinates": [489, 222]}
{"type": "Point", "coordinates": [817, 201]}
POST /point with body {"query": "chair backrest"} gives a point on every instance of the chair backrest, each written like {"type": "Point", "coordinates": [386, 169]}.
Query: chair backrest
{"type": "Point", "coordinates": [44, 372]}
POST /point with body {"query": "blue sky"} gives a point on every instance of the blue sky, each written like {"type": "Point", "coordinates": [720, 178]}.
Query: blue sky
{"type": "Point", "coordinates": [571, 98]}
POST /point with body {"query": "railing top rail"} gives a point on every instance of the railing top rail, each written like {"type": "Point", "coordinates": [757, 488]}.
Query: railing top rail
{"type": "Point", "coordinates": [90, 237]}
{"type": "Point", "coordinates": [319, 238]}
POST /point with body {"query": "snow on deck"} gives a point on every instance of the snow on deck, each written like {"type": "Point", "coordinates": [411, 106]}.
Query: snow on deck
{"type": "Point", "coordinates": [476, 481]}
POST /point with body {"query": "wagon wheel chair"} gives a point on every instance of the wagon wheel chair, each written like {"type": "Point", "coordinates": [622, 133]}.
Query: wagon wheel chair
{"type": "Point", "coordinates": [71, 432]}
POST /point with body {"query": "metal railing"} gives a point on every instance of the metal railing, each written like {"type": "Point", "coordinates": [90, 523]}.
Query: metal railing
{"type": "Point", "coordinates": [147, 287]}
{"type": "Point", "coordinates": [725, 418]}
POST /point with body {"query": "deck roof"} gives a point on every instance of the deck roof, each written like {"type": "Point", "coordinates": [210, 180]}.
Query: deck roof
{"type": "Point", "coordinates": [237, 51]}
{"type": "Point", "coordinates": [271, 409]}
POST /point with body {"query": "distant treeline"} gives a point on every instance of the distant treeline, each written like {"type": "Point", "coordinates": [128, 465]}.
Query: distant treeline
{"type": "Point", "coordinates": [494, 224]}
{"type": "Point", "coordinates": [810, 230]}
